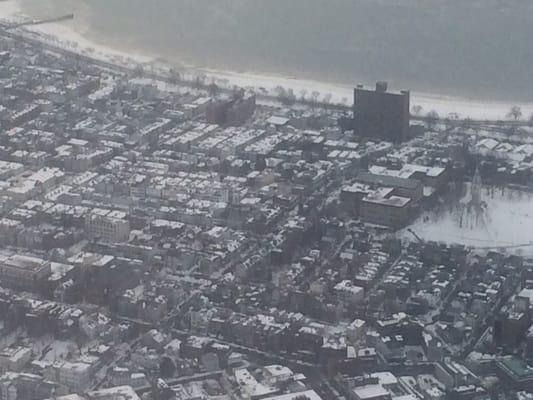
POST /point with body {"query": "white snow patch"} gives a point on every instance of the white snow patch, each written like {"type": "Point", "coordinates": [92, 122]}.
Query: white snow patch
{"type": "Point", "coordinates": [508, 222]}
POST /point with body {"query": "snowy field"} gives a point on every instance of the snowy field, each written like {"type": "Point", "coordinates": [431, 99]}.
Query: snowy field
{"type": "Point", "coordinates": [508, 221]}
{"type": "Point", "coordinates": [75, 36]}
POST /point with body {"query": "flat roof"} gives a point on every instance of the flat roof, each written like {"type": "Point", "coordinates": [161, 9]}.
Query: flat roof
{"type": "Point", "coordinates": [25, 262]}
{"type": "Point", "coordinates": [517, 367]}
{"type": "Point", "coordinates": [393, 201]}
{"type": "Point", "coordinates": [527, 293]}
{"type": "Point", "coordinates": [372, 89]}
{"type": "Point", "coordinates": [370, 391]}
{"type": "Point", "coordinates": [385, 180]}
{"type": "Point", "coordinates": [278, 121]}
{"type": "Point", "coordinates": [311, 394]}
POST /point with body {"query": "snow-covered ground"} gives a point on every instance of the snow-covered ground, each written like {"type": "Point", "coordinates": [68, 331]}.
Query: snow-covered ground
{"type": "Point", "coordinates": [443, 105]}
{"type": "Point", "coordinates": [75, 35]}
{"type": "Point", "coordinates": [508, 221]}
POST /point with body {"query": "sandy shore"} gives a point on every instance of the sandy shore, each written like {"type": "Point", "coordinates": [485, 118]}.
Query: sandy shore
{"type": "Point", "coordinates": [74, 35]}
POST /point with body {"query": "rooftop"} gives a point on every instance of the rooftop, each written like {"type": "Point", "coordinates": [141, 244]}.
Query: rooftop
{"type": "Point", "coordinates": [390, 181]}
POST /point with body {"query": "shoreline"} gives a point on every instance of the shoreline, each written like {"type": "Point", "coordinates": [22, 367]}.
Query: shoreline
{"type": "Point", "coordinates": [76, 38]}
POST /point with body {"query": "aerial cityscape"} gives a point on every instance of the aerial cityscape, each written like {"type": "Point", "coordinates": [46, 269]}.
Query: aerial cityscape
{"type": "Point", "coordinates": [172, 235]}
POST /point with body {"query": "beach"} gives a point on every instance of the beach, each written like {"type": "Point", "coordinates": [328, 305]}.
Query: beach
{"type": "Point", "coordinates": [75, 35]}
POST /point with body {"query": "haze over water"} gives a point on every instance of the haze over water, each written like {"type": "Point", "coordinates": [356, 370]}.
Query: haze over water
{"type": "Point", "coordinates": [470, 48]}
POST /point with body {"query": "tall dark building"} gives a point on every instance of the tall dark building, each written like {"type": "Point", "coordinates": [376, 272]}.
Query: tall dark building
{"type": "Point", "coordinates": [382, 114]}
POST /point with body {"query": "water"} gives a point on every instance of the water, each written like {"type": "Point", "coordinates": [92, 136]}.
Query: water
{"type": "Point", "coordinates": [475, 48]}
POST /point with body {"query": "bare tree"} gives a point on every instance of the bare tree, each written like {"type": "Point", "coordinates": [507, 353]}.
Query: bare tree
{"type": "Point", "coordinates": [289, 98]}
{"type": "Point", "coordinates": [467, 123]}
{"type": "Point", "coordinates": [417, 109]}
{"type": "Point", "coordinates": [285, 96]}
{"type": "Point", "coordinates": [432, 118]}
{"type": "Point", "coordinates": [281, 93]}
{"type": "Point", "coordinates": [174, 75]}
{"type": "Point", "coordinates": [291, 95]}
{"type": "Point", "coordinates": [453, 116]}
{"type": "Point", "coordinates": [314, 97]}
{"type": "Point", "coordinates": [515, 113]}
{"type": "Point", "coordinates": [213, 89]}
{"type": "Point", "coordinates": [139, 70]}
{"type": "Point", "coordinates": [199, 81]}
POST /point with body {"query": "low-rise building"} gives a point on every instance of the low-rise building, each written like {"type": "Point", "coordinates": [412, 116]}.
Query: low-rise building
{"type": "Point", "coordinates": [14, 358]}
{"type": "Point", "coordinates": [24, 272]}
{"type": "Point", "coordinates": [108, 227]}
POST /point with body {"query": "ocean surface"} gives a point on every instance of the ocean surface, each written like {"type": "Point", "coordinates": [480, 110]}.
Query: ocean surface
{"type": "Point", "coordinates": [481, 49]}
